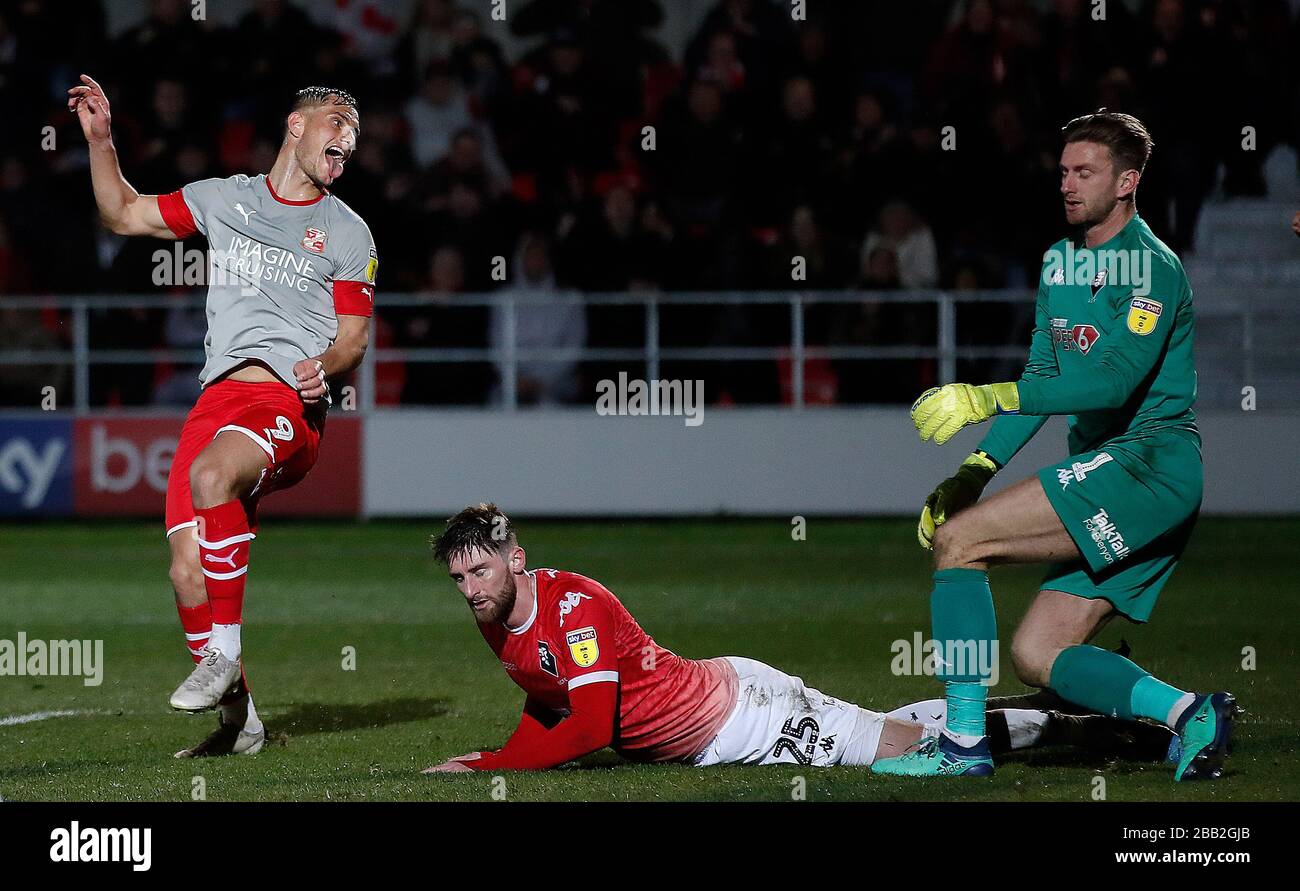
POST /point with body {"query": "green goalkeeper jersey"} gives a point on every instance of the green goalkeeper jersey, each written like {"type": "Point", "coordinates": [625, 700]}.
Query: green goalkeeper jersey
{"type": "Point", "coordinates": [1112, 348]}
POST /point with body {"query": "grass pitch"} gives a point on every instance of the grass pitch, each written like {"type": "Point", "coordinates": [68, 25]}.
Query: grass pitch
{"type": "Point", "coordinates": [425, 686]}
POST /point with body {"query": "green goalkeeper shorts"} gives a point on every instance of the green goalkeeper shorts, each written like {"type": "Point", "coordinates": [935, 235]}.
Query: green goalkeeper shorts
{"type": "Point", "coordinates": [1130, 509]}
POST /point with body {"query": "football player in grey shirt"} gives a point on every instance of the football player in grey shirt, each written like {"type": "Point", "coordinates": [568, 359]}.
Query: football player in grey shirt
{"type": "Point", "coordinates": [291, 279]}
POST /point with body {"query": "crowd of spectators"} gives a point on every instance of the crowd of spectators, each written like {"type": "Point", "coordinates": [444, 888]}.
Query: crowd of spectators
{"type": "Point", "coordinates": [824, 139]}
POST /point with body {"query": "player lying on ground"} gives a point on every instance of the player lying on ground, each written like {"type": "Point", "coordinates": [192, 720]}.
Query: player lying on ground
{"type": "Point", "coordinates": [291, 285]}
{"type": "Point", "coordinates": [1112, 348]}
{"type": "Point", "coordinates": [594, 678]}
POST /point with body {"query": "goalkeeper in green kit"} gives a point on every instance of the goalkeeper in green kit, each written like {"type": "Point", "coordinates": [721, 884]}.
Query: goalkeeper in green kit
{"type": "Point", "coordinates": [1112, 348]}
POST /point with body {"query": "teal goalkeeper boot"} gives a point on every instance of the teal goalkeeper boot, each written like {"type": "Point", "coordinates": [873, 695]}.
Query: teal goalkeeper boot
{"type": "Point", "coordinates": [940, 757]}
{"type": "Point", "coordinates": [1205, 731]}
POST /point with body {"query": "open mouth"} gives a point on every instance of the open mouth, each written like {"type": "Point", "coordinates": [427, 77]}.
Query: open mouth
{"type": "Point", "coordinates": [336, 157]}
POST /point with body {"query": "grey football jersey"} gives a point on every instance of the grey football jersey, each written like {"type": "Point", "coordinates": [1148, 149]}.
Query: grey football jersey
{"type": "Point", "coordinates": [279, 274]}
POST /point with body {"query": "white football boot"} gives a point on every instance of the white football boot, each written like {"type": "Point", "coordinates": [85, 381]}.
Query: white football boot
{"type": "Point", "coordinates": [207, 683]}
{"type": "Point", "coordinates": [239, 732]}
{"type": "Point", "coordinates": [227, 739]}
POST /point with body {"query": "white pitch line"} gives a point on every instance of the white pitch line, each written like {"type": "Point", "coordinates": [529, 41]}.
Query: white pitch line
{"type": "Point", "coordinates": [15, 720]}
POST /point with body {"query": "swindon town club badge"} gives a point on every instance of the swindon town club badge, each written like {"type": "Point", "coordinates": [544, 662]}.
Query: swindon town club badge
{"type": "Point", "coordinates": [314, 240]}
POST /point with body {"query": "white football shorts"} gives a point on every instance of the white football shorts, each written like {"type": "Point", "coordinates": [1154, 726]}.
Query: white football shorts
{"type": "Point", "coordinates": [779, 720]}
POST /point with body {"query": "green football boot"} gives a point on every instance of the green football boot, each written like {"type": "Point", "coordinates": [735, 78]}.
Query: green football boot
{"type": "Point", "coordinates": [1205, 732]}
{"type": "Point", "coordinates": [940, 757]}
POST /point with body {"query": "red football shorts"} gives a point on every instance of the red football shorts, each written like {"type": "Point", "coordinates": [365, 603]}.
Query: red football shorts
{"type": "Point", "coordinates": [269, 413]}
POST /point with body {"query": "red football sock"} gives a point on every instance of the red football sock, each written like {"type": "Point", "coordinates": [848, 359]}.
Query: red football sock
{"type": "Point", "coordinates": [197, 622]}
{"type": "Point", "coordinates": [223, 553]}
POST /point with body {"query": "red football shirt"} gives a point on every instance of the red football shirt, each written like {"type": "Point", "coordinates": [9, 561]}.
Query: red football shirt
{"type": "Point", "coordinates": [581, 643]}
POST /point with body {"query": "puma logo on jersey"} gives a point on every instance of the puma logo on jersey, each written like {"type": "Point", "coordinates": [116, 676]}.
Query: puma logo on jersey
{"type": "Point", "coordinates": [1078, 471]}
{"type": "Point", "coordinates": [244, 213]}
{"type": "Point", "coordinates": [229, 559]}
{"type": "Point", "coordinates": [571, 600]}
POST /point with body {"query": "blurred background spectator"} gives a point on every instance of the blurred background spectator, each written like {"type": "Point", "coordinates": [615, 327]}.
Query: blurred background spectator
{"type": "Point", "coordinates": [524, 139]}
{"type": "Point", "coordinates": [541, 323]}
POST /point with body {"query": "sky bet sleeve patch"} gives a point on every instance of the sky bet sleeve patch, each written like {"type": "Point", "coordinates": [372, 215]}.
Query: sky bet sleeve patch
{"type": "Point", "coordinates": [1143, 315]}
{"type": "Point", "coordinates": [583, 646]}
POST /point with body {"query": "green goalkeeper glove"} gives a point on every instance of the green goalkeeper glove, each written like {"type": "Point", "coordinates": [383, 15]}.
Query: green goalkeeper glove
{"type": "Point", "coordinates": [940, 412]}
{"type": "Point", "coordinates": [959, 491]}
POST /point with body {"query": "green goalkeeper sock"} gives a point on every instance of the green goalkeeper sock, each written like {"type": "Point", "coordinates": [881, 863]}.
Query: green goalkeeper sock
{"type": "Point", "coordinates": [1106, 682]}
{"type": "Point", "coordinates": [1153, 698]}
{"type": "Point", "coordinates": [966, 709]}
{"type": "Point", "coordinates": [964, 626]}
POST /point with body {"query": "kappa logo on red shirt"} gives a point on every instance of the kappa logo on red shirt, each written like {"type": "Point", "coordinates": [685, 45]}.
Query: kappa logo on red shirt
{"type": "Point", "coordinates": [314, 240]}
{"type": "Point", "coordinates": [571, 600]}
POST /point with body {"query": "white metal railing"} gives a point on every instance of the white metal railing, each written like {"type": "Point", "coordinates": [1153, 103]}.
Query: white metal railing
{"type": "Point", "coordinates": [1243, 352]}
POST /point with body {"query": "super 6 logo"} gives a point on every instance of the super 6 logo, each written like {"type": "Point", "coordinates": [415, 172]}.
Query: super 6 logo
{"type": "Point", "coordinates": [1079, 337]}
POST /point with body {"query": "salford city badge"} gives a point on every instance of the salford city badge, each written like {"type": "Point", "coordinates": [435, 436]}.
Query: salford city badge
{"type": "Point", "coordinates": [546, 659]}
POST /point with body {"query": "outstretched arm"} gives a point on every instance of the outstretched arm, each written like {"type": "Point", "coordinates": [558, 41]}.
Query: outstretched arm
{"type": "Point", "coordinates": [533, 726]}
{"type": "Point", "coordinates": [122, 209]}
{"type": "Point", "coordinates": [593, 709]}
{"type": "Point", "coordinates": [1138, 335]}
{"type": "Point", "coordinates": [593, 684]}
